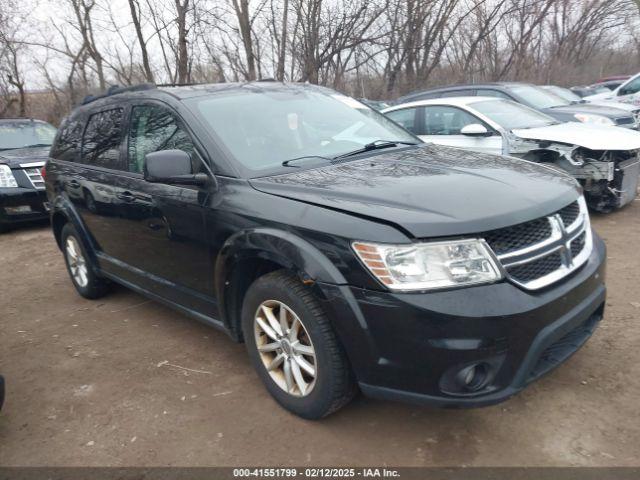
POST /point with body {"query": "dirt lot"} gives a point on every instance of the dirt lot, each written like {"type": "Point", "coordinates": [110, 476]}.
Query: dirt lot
{"type": "Point", "coordinates": [106, 383]}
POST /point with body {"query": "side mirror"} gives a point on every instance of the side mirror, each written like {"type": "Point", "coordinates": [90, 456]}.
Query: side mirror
{"type": "Point", "coordinates": [475, 130]}
{"type": "Point", "coordinates": [171, 167]}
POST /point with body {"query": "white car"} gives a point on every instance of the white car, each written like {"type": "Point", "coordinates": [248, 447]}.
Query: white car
{"type": "Point", "coordinates": [569, 96]}
{"type": "Point", "coordinates": [628, 92]}
{"type": "Point", "coordinates": [605, 160]}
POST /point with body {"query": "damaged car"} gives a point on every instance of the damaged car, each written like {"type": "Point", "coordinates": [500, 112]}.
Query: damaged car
{"type": "Point", "coordinates": [604, 160]}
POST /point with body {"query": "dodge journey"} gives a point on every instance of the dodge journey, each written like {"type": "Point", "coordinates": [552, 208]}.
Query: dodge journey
{"type": "Point", "coordinates": [344, 252]}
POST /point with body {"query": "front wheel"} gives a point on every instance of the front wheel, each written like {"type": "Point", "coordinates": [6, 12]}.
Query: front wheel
{"type": "Point", "coordinates": [294, 348]}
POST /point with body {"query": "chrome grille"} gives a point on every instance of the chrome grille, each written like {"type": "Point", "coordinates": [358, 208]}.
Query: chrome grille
{"type": "Point", "coordinates": [537, 259]}
{"type": "Point", "coordinates": [32, 170]}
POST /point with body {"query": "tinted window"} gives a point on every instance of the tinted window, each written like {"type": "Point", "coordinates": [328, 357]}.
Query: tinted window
{"type": "Point", "coordinates": [489, 92]}
{"type": "Point", "coordinates": [101, 141]}
{"type": "Point", "coordinates": [68, 145]}
{"type": "Point", "coordinates": [25, 134]}
{"type": "Point", "coordinates": [155, 128]}
{"type": "Point", "coordinates": [440, 120]}
{"type": "Point", "coordinates": [510, 115]}
{"type": "Point", "coordinates": [458, 93]}
{"type": "Point", "coordinates": [405, 117]}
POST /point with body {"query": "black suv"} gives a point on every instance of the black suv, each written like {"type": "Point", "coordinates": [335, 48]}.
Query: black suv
{"type": "Point", "coordinates": [535, 97]}
{"type": "Point", "coordinates": [24, 149]}
{"type": "Point", "coordinates": [343, 251]}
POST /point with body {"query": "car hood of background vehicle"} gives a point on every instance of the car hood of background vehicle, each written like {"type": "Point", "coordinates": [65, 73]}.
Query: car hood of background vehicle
{"type": "Point", "coordinates": [591, 109]}
{"type": "Point", "coordinates": [431, 191]}
{"type": "Point", "coordinates": [18, 156]}
{"type": "Point", "coordinates": [593, 137]}
{"type": "Point", "coordinates": [627, 107]}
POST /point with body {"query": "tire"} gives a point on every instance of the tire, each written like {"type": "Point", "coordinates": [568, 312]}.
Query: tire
{"type": "Point", "coordinates": [80, 269]}
{"type": "Point", "coordinates": [4, 228]}
{"type": "Point", "coordinates": [332, 385]}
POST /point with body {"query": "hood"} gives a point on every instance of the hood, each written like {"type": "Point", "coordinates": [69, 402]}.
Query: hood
{"type": "Point", "coordinates": [431, 191]}
{"type": "Point", "coordinates": [17, 156]}
{"type": "Point", "coordinates": [587, 135]}
{"type": "Point", "coordinates": [589, 108]}
{"type": "Point", "coordinates": [627, 107]}
{"type": "Point", "coordinates": [600, 96]}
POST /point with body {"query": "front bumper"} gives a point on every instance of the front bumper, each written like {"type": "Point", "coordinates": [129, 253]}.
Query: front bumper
{"type": "Point", "coordinates": [413, 346]}
{"type": "Point", "coordinates": [13, 201]}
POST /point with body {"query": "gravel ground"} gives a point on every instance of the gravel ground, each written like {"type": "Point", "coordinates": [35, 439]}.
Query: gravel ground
{"type": "Point", "coordinates": [124, 381]}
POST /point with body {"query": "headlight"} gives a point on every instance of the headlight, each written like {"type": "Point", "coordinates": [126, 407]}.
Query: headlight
{"type": "Point", "coordinates": [425, 266]}
{"type": "Point", "coordinates": [590, 118]}
{"type": "Point", "coordinates": [7, 179]}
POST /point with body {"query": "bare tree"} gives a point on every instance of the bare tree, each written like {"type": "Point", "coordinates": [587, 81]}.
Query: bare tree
{"type": "Point", "coordinates": [134, 7]}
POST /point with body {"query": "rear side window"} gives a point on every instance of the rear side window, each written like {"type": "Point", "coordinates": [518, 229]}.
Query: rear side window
{"type": "Point", "coordinates": [154, 128]}
{"type": "Point", "coordinates": [405, 117]}
{"type": "Point", "coordinates": [68, 145]}
{"type": "Point", "coordinates": [101, 141]}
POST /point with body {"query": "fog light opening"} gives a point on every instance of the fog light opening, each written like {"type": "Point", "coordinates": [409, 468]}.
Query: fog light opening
{"type": "Point", "coordinates": [473, 377]}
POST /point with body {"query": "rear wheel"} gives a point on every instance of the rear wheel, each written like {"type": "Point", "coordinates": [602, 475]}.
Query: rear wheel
{"type": "Point", "coordinates": [294, 348]}
{"type": "Point", "coordinates": [82, 273]}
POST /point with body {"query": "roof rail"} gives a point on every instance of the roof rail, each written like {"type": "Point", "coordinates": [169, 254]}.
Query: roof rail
{"type": "Point", "coordinates": [180, 84]}
{"type": "Point", "coordinates": [116, 89]}
{"type": "Point", "coordinates": [31, 119]}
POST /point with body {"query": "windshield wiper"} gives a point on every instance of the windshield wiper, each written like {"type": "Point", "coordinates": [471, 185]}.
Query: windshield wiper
{"type": "Point", "coordinates": [287, 163]}
{"type": "Point", "coordinates": [376, 145]}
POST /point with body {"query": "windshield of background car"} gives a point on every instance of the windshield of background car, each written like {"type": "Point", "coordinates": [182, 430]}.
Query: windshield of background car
{"type": "Point", "coordinates": [564, 93]}
{"type": "Point", "coordinates": [510, 115]}
{"type": "Point", "coordinates": [537, 97]}
{"type": "Point", "coordinates": [25, 134]}
{"type": "Point", "coordinates": [264, 127]}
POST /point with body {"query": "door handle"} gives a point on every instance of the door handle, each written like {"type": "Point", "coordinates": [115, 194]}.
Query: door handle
{"type": "Point", "coordinates": [126, 196]}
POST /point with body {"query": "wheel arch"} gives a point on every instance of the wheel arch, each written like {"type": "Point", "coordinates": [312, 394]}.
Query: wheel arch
{"type": "Point", "coordinates": [250, 254]}
{"type": "Point", "coordinates": [64, 213]}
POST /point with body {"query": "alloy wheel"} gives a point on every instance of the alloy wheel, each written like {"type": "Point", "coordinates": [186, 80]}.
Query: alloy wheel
{"type": "Point", "coordinates": [77, 262]}
{"type": "Point", "coordinates": [285, 348]}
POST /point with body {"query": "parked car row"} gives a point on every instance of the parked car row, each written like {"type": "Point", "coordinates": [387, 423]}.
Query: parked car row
{"type": "Point", "coordinates": [620, 88]}
{"type": "Point", "coordinates": [539, 124]}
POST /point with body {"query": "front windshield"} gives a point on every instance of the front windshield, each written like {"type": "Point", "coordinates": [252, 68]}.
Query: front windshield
{"type": "Point", "coordinates": [565, 93]}
{"type": "Point", "coordinates": [25, 134]}
{"type": "Point", "coordinates": [537, 97]}
{"type": "Point", "coordinates": [263, 127]}
{"type": "Point", "coordinates": [510, 115]}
